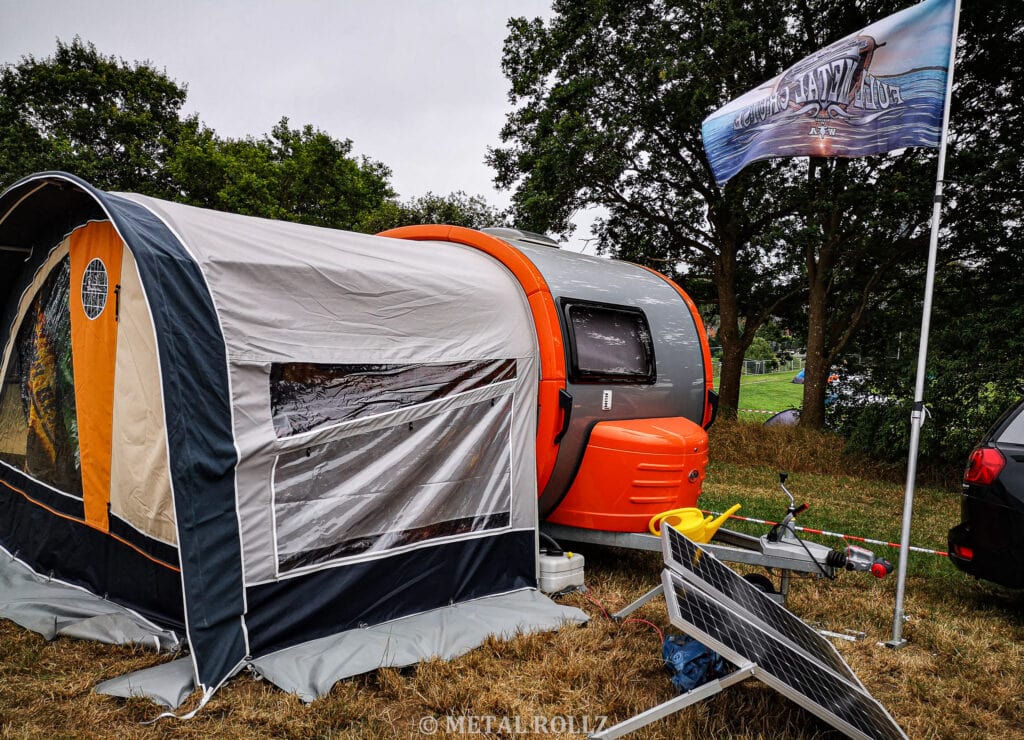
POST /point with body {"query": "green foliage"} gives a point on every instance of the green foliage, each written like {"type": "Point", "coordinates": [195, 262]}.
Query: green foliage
{"type": "Point", "coordinates": [880, 431]}
{"type": "Point", "coordinates": [118, 126]}
{"type": "Point", "coordinates": [455, 209]}
{"type": "Point", "coordinates": [105, 120]}
{"type": "Point", "coordinates": [301, 175]}
{"type": "Point", "coordinates": [975, 362]}
{"type": "Point", "coordinates": [976, 343]}
{"type": "Point", "coordinates": [609, 98]}
{"type": "Point", "coordinates": [760, 349]}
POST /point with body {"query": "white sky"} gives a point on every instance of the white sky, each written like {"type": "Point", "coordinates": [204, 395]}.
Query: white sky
{"type": "Point", "coordinates": [416, 85]}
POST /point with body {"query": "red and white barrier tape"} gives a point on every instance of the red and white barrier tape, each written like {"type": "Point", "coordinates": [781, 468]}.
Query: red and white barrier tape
{"type": "Point", "coordinates": [822, 532]}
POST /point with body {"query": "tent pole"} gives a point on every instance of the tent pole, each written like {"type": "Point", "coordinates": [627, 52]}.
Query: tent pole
{"type": "Point", "coordinates": [918, 412]}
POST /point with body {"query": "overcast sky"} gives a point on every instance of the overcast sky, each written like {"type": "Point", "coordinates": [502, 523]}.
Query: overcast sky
{"type": "Point", "coordinates": [415, 84]}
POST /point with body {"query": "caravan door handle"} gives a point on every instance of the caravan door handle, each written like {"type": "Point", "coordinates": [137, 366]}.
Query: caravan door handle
{"type": "Point", "coordinates": [564, 403]}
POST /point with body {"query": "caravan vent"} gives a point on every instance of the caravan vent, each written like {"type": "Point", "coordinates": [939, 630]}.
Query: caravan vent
{"type": "Point", "coordinates": [522, 236]}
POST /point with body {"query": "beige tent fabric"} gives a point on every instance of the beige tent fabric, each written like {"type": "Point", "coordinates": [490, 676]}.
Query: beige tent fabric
{"type": "Point", "coordinates": [140, 488]}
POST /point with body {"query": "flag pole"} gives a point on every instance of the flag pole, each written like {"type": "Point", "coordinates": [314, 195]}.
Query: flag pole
{"type": "Point", "coordinates": [918, 412]}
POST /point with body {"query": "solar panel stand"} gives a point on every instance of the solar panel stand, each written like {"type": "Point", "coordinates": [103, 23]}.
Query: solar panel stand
{"type": "Point", "coordinates": [676, 704]}
{"type": "Point", "coordinates": [717, 607]}
{"type": "Point", "coordinates": [649, 596]}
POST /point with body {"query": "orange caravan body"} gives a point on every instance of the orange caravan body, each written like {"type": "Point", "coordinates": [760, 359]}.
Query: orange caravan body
{"type": "Point", "coordinates": [626, 391]}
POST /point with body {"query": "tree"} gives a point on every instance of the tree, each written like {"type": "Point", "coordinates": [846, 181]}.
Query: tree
{"type": "Point", "coordinates": [761, 349]}
{"type": "Point", "coordinates": [609, 98]}
{"type": "Point", "coordinates": [301, 175]}
{"type": "Point", "coordinates": [607, 104]}
{"type": "Point", "coordinates": [119, 126]}
{"type": "Point", "coordinates": [454, 209]}
{"type": "Point", "coordinates": [110, 122]}
{"type": "Point", "coordinates": [975, 366]}
{"type": "Point", "coordinates": [863, 229]}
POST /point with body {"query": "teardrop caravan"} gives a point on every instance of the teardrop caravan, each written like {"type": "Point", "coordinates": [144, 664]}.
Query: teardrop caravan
{"type": "Point", "coordinates": [626, 391]}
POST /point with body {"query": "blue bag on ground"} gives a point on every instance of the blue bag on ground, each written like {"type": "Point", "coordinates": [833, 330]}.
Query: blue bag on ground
{"type": "Point", "coordinates": [691, 663]}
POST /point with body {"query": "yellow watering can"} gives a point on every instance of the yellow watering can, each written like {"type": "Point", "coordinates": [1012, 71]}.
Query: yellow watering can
{"type": "Point", "coordinates": [691, 522]}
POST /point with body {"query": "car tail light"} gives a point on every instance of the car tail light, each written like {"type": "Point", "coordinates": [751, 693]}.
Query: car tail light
{"type": "Point", "coordinates": [984, 466]}
{"type": "Point", "coordinates": [963, 552]}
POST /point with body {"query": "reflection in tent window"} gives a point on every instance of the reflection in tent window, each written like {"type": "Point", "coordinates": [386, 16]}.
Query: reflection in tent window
{"type": "Point", "coordinates": [443, 476]}
{"type": "Point", "coordinates": [609, 344]}
{"type": "Point", "coordinates": [308, 396]}
{"type": "Point", "coordinates": [38, 420]}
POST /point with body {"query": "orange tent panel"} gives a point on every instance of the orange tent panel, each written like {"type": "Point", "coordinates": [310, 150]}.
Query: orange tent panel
{"type": "Point", "coordinates": [96, 251]}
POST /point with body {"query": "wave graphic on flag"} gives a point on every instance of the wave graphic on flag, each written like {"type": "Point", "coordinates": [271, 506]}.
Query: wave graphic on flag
{"type": "Point", "coordinates": [879, 89]}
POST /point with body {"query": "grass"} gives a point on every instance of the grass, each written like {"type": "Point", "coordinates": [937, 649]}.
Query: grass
{"type": "Point", "coordinates": [771, 392]}
{"type": "Point", "coordinates": [962, 674]}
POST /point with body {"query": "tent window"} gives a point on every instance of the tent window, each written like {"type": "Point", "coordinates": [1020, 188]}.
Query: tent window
{"type": "Point", "coordinates": [308, 396]}
{"type": "Point", "coordinates": [609, 344]}
{"type": "Point", "coordinates": [443, 476]}
{"type": "Point", "coordinates": [38, 420]}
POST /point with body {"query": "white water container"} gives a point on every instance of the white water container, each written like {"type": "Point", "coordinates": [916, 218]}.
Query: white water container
{"type": "Point", "coordinates": [560, 572]}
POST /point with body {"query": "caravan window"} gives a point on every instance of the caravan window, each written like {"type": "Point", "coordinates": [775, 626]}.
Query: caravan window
{"type": "Point", "coordinates": [308, 396]}
{"type": "Point", "coordinates": [38, 418]}
{"type": "Point", "coordinates": [609, 344]}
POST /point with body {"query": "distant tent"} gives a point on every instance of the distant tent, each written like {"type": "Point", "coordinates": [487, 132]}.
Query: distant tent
{"type": "Point", "coordinates": [799, 378]}
{"type": "Point", "coordinates": [789, 417]}
{"type": "Point", "coordinates": [259, 434]}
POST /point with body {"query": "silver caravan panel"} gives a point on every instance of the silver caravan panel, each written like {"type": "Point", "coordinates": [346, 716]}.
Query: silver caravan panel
{"type": "Point", "coordinates": [679, 387]}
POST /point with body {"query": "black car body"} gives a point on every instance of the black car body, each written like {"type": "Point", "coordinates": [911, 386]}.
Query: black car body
{"type": "Point", "coordinates": [989, 541]}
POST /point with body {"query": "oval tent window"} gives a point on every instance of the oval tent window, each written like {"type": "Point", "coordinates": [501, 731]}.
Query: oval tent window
{"type": "Point", "coordinates": [94, 288]}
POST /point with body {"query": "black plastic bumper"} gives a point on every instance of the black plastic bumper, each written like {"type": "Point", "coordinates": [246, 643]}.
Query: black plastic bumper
{"type": "Point", "coordinates": [994, 535]}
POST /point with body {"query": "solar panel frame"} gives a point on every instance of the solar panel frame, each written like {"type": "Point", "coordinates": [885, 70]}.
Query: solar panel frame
{"type": "Point", "coordinates": [701, 568]}
{"type": "Point", "coordinates": [800, 678]}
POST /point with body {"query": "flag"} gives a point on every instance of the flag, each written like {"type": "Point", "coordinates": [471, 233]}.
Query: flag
{"type": "Point", "coordinates": [879, 89]}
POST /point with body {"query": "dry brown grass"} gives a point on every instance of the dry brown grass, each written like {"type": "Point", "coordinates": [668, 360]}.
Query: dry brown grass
{"type": "Point", "coordinates": [961, 676]}
{"type": "Point", "coordinates": [799, 450]}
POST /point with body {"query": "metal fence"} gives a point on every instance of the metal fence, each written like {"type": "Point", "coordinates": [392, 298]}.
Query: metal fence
{"type": "Point", "coordinates": [765, 367]}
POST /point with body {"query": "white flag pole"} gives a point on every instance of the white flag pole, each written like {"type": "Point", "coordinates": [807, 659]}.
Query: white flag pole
{"type": "Point", "coordinates": [918, 412]}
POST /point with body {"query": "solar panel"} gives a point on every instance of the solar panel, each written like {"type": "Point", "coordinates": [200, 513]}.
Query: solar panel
{"type": "Point", "coordinates": [740, 640]}
{"type": "Point", "coordinates": [703, 570]}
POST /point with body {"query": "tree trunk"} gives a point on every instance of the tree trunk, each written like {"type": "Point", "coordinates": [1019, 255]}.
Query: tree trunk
{"type": "Point", "coordinates": [729, 380]}
{"type": "Point", "coordinates": [812, 415]}
{"type": "Point", "coordinates": [819, 260]}
{"type": "Point", "coordinates": [730, 332]}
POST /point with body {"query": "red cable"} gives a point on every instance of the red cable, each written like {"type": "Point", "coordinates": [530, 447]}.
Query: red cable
{"type": "Point", "coordinates": [661, 635]}
{"type": "Point", "coordinates": [597, 603]}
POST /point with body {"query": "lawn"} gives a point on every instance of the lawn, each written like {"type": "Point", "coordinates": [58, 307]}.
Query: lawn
{"type": "Point", "coordinates": [768, 393]}
{"type": "Point", "coordinates": [962, 674]}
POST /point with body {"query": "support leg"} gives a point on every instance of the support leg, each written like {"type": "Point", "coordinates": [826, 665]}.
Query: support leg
{"type": "Point", "coordinates": [676, 704]}
{"type": "Point", "coordinates": [625, 612]}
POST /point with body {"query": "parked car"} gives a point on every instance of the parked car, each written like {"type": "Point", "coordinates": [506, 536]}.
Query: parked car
{"type": "Point", "coordinates": [989, 541]}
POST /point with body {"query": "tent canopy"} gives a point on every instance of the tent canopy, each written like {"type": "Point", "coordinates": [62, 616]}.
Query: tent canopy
{"type": "Point", "coordinates": [259, 433]}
